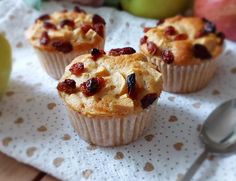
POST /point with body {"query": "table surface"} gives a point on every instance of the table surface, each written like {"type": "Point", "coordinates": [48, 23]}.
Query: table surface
{"type": "Point", "coordinates": [13, 170]}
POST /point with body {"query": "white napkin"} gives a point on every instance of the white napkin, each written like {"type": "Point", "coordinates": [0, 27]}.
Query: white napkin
{"type": "Point", "coordinates": [34, 127]}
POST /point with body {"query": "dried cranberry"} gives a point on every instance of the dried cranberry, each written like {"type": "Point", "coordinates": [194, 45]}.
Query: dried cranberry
{"type": "Point", "coordinates": [62, 46]}
{"type": "Point", "coordinates": [160, 21]}
{"type": "Point", "coordinates": [167, 56]}
{"type": "Point", "coordinates": [148, 99]}
{"type": "Point", "coordinates": [44, 39]}
{"type": "Point", "coordinates": [99, 28]}
{"type": "Point", "coordinates": [143, 40]}
{"type": "Point", "coordinates": [96, 53]}
{"type": "Point", "coordinates": [152, 48]}
{"type": "Point", "coordinates": [67, 22]}
{"type": "Point", "coordinates": [77, 68]}
{"type": "Point", "coordinates": [170, 30]}
{"type": "Point", "coordinates": [68, 86]}
{"type": "Point", "coordinates": [98, 19]}
{"type": "Point", "coordinates": [48, 25]}
{"type": "Point", "coordinates": [92, 86]}
{"type": "Point", "coordinates": [43, 17]}
{"type": "Point", "coordinates": [146, 29]}
{"type": "Point", "coordinates": [221, 36]}
{"type": "Point", "coordinates": [130, 81]}
{"type": "Point", "coordinates": [121, 51]}
{"type": "Point", "coordinates": [201, 52]}
{"type": "Point", "coordinates": [182, 36]}
{"type": "Point", "coordinates": [209, 27]}
{"type": "Point", "coordinates": [79, 10]}
{"type": "Point", "coordinates": [85, 28]}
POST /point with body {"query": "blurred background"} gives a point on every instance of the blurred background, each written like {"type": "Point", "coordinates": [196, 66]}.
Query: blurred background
{"type": "Point", "coordinates": [221, 12]}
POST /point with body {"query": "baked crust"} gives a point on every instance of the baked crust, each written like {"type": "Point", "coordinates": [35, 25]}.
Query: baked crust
{"type": "Point", "coordinates": [193, 27]}
{"type": "Point", "coordinates": [112, 100]}
{"type": "Point", "coordinates": [80, 41]}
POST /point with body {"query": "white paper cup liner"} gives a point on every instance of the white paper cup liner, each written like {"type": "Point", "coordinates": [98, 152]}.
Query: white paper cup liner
{"type": "Point", "coordinates": [111, 131]}
{"type": "Point", "coordinates": [54, 63]}
{"type": "Point", "coordinates": [185, 79]}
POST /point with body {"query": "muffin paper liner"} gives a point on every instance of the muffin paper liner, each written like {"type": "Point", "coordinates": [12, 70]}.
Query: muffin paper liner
{"type": "Point", "coordinates": [185, 79]}
{"type": "Point", "coordinates": [111, 131]}
{"type": "Point", "coordinates": [54, 63]}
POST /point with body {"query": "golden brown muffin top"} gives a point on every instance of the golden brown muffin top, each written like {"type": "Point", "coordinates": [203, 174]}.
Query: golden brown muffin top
{"type": "Point", "coordinates": [115, 84]}
{"type": "Point", "coordinates": [182, 40]}
{"type": "Point", "coordinates": [66, 31]}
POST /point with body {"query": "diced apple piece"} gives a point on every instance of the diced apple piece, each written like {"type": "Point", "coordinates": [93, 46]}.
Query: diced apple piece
{"type": "Point", "coordinates": [102, 71]}
{"type": "Point", "coordinates": [125, 104]}
{"type": "Point", "coordinates": [119, 83]}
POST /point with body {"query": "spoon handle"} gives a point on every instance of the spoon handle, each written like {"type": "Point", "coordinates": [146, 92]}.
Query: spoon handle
{"type": "Point", "coordinates": [193, 169]}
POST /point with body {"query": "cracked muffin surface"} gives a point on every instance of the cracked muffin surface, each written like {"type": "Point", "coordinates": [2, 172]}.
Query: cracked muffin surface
{"type": "Point", "coordinates": [67, 31]}
{"type": "Point", "coordinates": [182, 40]}
{"type": "Point", "coordinates": [110, 84]}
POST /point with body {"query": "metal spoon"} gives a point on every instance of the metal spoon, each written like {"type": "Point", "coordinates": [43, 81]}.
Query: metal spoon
{"type": "Point", "coordinates": [218, 134]}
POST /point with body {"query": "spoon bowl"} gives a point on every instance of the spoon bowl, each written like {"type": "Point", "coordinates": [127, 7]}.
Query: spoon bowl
{"type": "Point", "coordinates": [218, 134]}
{"type": "Point", "coordinates": [219, 131]}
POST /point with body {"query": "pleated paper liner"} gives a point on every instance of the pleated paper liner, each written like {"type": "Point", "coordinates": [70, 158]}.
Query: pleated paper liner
{"type": "Point", "coordinates": [187, 78]}
{"type": "Point", "coordinates": [54, 62]}
{"type": "Point", "coordinates": [111, 131]}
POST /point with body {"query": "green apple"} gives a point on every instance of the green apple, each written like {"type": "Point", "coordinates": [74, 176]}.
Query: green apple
{"type": "Point", "coordinates": [5, 63]}
{"type": "Point", "coordinates": [155, 8]}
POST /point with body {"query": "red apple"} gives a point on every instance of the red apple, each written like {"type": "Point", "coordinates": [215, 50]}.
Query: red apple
{"type": "Point", "coordinates": [220, 12]}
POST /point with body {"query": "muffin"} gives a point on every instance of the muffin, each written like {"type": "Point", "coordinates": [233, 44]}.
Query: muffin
{"type": "Point", "coordinates": [110, 98]}
{"type": "Point", "coordinates": [61, 36]}
{"type": "Point", "coordinates": [185, 50]}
